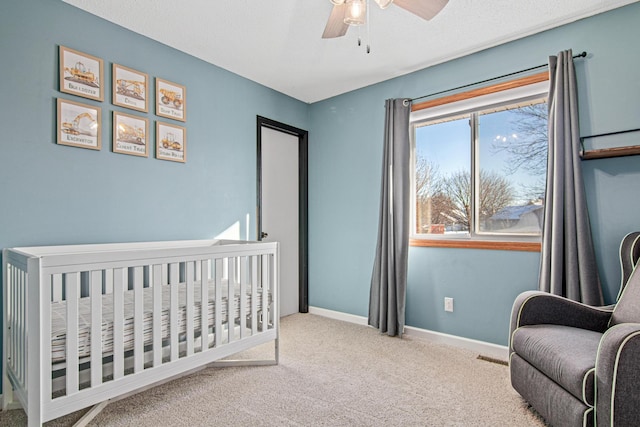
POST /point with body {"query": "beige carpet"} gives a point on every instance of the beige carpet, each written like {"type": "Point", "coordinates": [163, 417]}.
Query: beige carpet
{"type": "Point", "coordinates": [331, 373]}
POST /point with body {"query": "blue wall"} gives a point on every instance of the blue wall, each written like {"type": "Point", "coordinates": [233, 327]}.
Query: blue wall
{"type": "Point", "coordinates": [53, 194]}
{"type": "Point", "coordinates": [346, 153]}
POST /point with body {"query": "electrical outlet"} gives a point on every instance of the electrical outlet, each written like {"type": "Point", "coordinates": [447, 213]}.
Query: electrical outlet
{"type": "Point", "coordinates": [448, 304]}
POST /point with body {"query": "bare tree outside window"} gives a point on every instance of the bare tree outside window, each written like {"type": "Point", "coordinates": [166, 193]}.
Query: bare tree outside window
{"type": "Point", "coordinates": [446, 200]}
{"type": "Point", "coordinates": [527, 152]}
{"type": "Point", "coordinates": [495, 194]}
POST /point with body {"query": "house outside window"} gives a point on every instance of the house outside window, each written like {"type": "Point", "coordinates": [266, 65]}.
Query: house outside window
{"type": "Point", "coordinates": [479, 165]}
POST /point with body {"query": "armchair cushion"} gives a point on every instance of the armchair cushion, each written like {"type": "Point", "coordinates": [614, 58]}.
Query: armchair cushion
{"type": "Point", "coordinates": [564, 354]}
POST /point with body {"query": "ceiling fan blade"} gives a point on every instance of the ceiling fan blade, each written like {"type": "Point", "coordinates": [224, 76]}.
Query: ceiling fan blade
{"type": "Point", "coordinates": [425, 9]}
{"type": "Point", "coordinates": [335, 25]}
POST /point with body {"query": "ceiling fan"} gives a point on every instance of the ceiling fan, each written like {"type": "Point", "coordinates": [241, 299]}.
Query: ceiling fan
{"type": "Point", "coordinates": [346, 13]}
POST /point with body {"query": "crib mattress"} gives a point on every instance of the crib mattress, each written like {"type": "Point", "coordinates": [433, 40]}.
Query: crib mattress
{"type": "Point", "coordinates": [59, 310]}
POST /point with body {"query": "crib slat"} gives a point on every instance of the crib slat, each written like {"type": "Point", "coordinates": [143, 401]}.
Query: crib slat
{"type": "Point", "coordinates": [13, 300]}
{"type": "Point", "coordinates": [174, 278]}
{"type": "Point", "coordinates": [108, 281]}
{"type": "Point", "coordinates": [8, 296]}
{"type": "Point", "coordinates": [138, 319]}
{"type": "Point", "coordinates": [21, 311]}
{"type": "Point", "coordinates": [265, 291]}
{"type": "Point", "coordinates": [231, 300]}
{"type": "Point", "coordinates": [45, 338]}
{"type": "Point", "coordinates": [274, 314]}
{"type": "Point", "coordinates": [56, 290]}
{"type": "Point", "coordinates": [190, 266]}
{"type": "Point", "coordinates": [20, 338]}
{"type": "Point", "coordinates": [158, 279]}
{"type": "Point", "coordinates": [204, 304]}
{"type": "Point", "coordinates": [243, 297]}
{"type": "Point", "coordinates": [18, 323]}
{"type": "Point", "coordinates": [254, 294]}
{"type": "Point", "coordinates": [17, 341]}
{"type": "Point", "coordinates": [95, 283]}
{"type": "Point", "coordinates": [218, 303]}
{"type": "Point", "coordinates": [119, 277]}
{"type": "Point", "coordinates": [72, 294]}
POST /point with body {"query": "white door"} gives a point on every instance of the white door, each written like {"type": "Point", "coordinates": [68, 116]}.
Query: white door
{"type": "Point", "coordinates": [280, 209]}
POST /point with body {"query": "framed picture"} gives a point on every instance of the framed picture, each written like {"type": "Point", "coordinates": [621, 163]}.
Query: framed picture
{"type": "Point", "coordinates": [171, 100]}
{"type": "Point", "coordinates": [130, 88]}
{"type": "Point", "coordinates": [171, 142]}
{"type": "Point", "coordinates": [81, 74]}
{"type": "Point", "coordinates": [130, 134]}
{"type": "Point", "coordinates": [79, 125]}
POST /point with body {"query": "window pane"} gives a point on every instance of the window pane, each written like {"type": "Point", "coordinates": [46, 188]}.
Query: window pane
{"type": "Point", "coordinates": [512, 168]}
{"type": "Point", "coordinates": [442, 170]}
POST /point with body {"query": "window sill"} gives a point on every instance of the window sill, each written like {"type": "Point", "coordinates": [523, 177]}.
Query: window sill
{"type": "Point", "coordinates": [477, 244]}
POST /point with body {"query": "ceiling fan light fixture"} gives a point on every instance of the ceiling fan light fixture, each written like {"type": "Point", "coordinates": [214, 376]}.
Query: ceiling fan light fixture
{"type": "Point", "coordinates": [337, 2]}
{"type": "Point", "coordinates": [356, 12]}
{"type": "Point", "coordinates": [383, 3]}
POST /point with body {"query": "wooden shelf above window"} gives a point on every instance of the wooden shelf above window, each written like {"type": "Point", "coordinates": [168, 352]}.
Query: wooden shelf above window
{"type": "Point", "coordinates": [604, 153]}
{"type": "Point", "coordinates": [477, 244]}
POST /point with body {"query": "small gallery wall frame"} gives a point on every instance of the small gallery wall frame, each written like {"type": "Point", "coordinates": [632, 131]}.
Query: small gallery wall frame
{"type": "Point", "coordinates": [81, 74]}
{"type": "Point", "coordinates": [130, 134]}
{"type": "Point", "coordinates": [171, 100]}
{"type": "Point", "coordinates": [79, 125]}
{"type": "Point", "coordinates": [130, 88]}
{"type": "Point", "coordinates": [171, 142]}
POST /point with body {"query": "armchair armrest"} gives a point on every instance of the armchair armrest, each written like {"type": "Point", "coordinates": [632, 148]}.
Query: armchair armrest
{"type": "Point", "coordinates": [537, 307]}
{"type": "Point", "coordinates": [618, 376]}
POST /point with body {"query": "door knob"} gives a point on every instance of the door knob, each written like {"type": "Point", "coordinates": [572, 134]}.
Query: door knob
{"type": "Point", "coordinates": [263, 235]}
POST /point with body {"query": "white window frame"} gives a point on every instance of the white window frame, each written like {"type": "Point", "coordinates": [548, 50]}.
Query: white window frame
{"type": "Point", "coordinates": [480, 103]}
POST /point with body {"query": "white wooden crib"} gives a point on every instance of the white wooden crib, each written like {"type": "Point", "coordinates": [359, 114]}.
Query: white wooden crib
{"type": "Point", "coordinates": [84, 324]}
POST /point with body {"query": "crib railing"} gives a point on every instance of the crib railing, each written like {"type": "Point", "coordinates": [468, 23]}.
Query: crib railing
{"type": "Point", "coordinates": [84, 324]}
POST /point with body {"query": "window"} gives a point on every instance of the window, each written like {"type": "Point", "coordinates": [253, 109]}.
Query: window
{"type": "Point", "coordinates": [479, 166]}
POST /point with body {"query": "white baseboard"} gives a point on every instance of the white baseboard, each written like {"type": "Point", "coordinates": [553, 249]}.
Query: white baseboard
{"type": "Point", "coordinates": [483, 348]}
{"type": "Point", "coordinates": [338, 315]}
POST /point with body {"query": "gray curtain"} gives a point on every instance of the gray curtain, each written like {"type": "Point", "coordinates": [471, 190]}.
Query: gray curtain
{"type": "Point", "coordinates": [389, 279]}
{"type": "Point", "coordinates": [568, 264]}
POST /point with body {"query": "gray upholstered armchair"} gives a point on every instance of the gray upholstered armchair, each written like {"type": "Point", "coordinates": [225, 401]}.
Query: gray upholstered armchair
{"type": "Point", "coordinates": [579, 365]}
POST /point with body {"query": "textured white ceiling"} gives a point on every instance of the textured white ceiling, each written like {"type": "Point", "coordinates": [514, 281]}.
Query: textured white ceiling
{"type": "Point", "coordinates": [278, 43]}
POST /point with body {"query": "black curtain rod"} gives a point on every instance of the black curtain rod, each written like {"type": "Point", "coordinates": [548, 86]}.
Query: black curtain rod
{"type": "Point", "coordinates": [580, 55]}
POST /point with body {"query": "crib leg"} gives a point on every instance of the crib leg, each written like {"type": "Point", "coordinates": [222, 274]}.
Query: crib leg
{"type": "Point", "coordinates": [91, 414]}
{"type": "Point", "coordinates": [8, 403]}
{"type": "Point", "coordinates": [249, 362]}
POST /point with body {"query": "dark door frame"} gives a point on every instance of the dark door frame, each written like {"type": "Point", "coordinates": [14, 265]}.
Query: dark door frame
{"type": "Point", "coordinates": [303, 200]}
